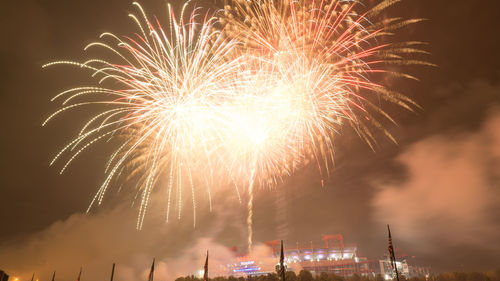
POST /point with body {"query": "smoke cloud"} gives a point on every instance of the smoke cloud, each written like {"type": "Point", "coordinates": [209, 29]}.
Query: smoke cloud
{"type": "Point", "coordinates": [99, 240]}
{"type": "Point", "coordinates": [451, 195]}
{"type": "Point", "coordinates": [96, 241]}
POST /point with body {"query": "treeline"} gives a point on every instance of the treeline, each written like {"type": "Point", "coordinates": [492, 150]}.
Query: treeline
{"type": "Point", "coordinates": [305, 275]}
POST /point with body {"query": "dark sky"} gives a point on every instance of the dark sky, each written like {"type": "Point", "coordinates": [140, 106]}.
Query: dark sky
{"type": "Point", "coordinates": [439, 187]}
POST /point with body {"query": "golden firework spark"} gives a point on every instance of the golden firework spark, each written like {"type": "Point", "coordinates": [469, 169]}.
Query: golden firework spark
{"type": "Point", "coordinates": [245, 98]}
{"type": "Point", "coordinates": [169, 88]}
{"type": "Point", "coordinates": [329, 51]}
{"type": "Point", "coordinates": [321, 57]}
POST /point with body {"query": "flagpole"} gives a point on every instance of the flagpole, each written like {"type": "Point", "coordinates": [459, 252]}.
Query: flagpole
{"type": "Point", "coordinates": [54, 276]}
{"type": "Point", "coordinates": [79, 274]}
{"type": "Point", "coordinates": [282, 262]}
{"type": "Point", "coordinates": [112, 271]}
{"type": "Point", "coordinates": [391, 254]}
{"type": "Point", "coordinates": [33, 277]}
{"type": "Point", "coordinates": [151, 273]}
{"type": "Point", "coordinates": [205, 273]}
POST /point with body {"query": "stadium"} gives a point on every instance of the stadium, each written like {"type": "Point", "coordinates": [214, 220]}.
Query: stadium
{"type": "Point", "coordinates": [333, 256]}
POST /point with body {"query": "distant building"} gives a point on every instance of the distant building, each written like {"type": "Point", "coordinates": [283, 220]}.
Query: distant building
{"type": "Point", "coordinates": [332, 257]}
{"type": "Point", "coordinates": [3, 276]}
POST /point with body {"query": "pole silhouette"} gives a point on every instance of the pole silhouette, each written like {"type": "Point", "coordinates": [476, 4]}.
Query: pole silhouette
{"type": "Point", "coordinates": [79, 275]}
{"type": "Point", "coordinates": [152, 271]}
{"type": "Point", "coordinates": [391, 254]}
{"type": "Point", "coordinates": [282, 262]}
{"type": "Point", "coordinates": [112, 271]}
{"type": "Point", "coordinates": [205, 273]}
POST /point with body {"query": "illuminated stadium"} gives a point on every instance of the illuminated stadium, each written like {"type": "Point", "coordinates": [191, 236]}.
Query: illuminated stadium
{"type": "Point", "coordinates": [332, 257]}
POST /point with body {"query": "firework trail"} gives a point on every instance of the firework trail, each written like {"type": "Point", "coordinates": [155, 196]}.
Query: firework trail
{"type": "Point", "coordinates": [328, 52]}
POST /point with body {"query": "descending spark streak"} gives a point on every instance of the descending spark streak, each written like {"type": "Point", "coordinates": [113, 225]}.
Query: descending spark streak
{"type": "Point", "coordinates": [250, 208]}
{"type": "Point", "coordinates": [250, 215]}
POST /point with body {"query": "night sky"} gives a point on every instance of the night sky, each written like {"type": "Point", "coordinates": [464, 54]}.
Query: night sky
{"type": "Point", "coordinates": [439, 187]}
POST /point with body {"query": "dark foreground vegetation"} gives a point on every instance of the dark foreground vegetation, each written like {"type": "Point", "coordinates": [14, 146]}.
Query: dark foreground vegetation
{"type": "Point", "coordinates": [307, 276]}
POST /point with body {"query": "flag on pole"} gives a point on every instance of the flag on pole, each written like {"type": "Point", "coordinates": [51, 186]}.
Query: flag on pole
{"type": "Point", "coordinates": [391, 248]}
{"type": "Point", "coordinates": [54, 276]}
{"type": "Point", "coordinates": [112, 271]}
{"type": "Point", "coordinates": [392, 257]}
{"type": "Point", "coordinates": [282, 263]}
{"type": "Point", "coordinates": [205, 273]}
{"type": "Point", "coordinates": [79, 275]}
{"type": "Point", "coordinates": [151, 273]}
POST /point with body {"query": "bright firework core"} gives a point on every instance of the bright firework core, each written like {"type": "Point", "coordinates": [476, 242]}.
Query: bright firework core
{"type": "Point", "coordinates": [241, 99]}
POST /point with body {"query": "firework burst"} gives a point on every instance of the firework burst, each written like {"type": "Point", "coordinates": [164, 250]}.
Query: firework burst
{"type": "Point", "coordinates": [321, 56]}
{"type": "Point", "coordinates": [329, 51]}
{"type": "Point", "coordinates": [165, 106]}
{"type": "Point", "coordinates": [242, 99]}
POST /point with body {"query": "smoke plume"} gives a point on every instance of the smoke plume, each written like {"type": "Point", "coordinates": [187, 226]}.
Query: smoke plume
{"type": "Point", "coordinates": [451, 195]}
